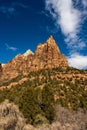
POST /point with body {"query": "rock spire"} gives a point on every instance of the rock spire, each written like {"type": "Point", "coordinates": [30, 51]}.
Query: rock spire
{"type": "Point", "coordinates": [47, 55]}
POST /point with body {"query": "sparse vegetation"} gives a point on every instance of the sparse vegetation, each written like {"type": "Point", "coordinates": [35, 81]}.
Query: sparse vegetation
{"type": "Point", "coordinates": [38, 96]}
{"type": "Point", "coordinates": [12, 119]}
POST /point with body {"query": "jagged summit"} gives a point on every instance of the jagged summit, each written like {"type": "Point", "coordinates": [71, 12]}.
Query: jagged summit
{"type": "Point", "coordinates": [47, 55]}
{"type": "Point", "coordinates": [52, 42]}
{"type": "Point", "coordinates": [3, 64]}
{"type": "Point", "coordinates": [50, 39]}
{"type": "Point", "coordinates": [28, 52]}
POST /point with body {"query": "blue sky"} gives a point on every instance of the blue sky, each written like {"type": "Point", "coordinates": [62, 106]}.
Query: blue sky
{"type": "Point", "coordinates": [26, 23]}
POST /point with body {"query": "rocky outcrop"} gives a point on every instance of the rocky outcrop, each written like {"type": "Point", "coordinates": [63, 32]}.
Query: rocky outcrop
{"type": "Point", "coordinates": [17, 66]}
{"type": "Point", "coordinates": [28, 52]}
{"type": "Point", "coordinates": [47, 55]}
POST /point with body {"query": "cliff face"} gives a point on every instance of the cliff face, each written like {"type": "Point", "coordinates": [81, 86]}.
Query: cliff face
{"type": "Point", "coordinates": [47, 55]}
{"type": "Point", "coordinates": [19, 65]}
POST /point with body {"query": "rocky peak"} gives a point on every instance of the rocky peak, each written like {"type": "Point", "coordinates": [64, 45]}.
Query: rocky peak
{"type": "Point", "coordinates": [28, 52]}
{"type": "Point", "coordinates": [47, 55]}
{"type": "Point", "coordinates": [49, 46]}
{"type": "Point", "coordinates": [51, 42]}
{"type": "Point", "coordinates": [18, 56]}
{"type": "Point", "coordinates": [3, 65]}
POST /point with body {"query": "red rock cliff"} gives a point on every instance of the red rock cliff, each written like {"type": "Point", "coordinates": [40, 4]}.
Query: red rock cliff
{"type": "Point", "coordinates": [47, 55]}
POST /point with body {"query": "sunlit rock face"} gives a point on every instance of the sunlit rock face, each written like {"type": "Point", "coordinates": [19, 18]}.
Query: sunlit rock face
{"type": "Point", "coordinates": [47, 55]}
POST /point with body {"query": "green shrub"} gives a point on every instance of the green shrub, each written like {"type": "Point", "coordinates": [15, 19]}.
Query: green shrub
{"type": "Point", "coordinates": [28, 104]}
{"type": "Point", "coordinates": [40, 120]}
{"type": "Point", "coordinates": [47, 103]}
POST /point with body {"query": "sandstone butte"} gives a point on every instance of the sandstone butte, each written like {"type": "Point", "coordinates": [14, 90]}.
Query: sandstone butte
{"type": "Point", "coordinates": [47, 55]}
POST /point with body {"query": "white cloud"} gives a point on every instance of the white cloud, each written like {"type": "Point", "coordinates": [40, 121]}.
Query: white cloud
{"type": "Point", "coordinates": [69, 15]}
{"type": "Point", "coordinates": [84, 2]}
{"type": "Point", "coordinates": [69, 19]}
{"type": "Point", "coordinates": [10, 47]}
{"type": "Point", "coordinates": [78, 61]}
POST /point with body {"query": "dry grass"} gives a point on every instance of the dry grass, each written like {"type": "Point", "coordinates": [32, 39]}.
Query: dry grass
{"type": "Point", "coordinates": [12, 119]}
{"type": "Point", "coordinates": [67, 120]}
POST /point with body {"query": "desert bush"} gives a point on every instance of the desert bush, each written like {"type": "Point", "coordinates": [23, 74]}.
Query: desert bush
{"type": "Point", "coordinates": [40, 120]}
{"type": "Point", "coordinates": [76, 119]}
{"type": "Point", "coordinates": [10, 117]}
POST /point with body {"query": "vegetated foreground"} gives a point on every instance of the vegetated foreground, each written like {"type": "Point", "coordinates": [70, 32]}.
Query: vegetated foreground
{"type": "Point", "coordinates": [48, 99]}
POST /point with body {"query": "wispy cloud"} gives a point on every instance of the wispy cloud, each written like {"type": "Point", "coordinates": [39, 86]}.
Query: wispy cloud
{"type": "Point", "coordinates": [44, 13]}
{"type": "Point", "coordinates": [69, 17]}
{"type": "Point", "coordinates": [7, 10]}
{"type": "Point", "coordinates": [10, 47]}
{"type": "Point", "coordinates": [12, 8]}
{"type": "Point", "coordinates": [18, 4]}
{"type": "Point", "coordinates": [51, 30]}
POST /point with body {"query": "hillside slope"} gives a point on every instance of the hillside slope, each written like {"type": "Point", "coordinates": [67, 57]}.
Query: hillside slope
{"type": "Point", "coordinates": [49, 94]}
